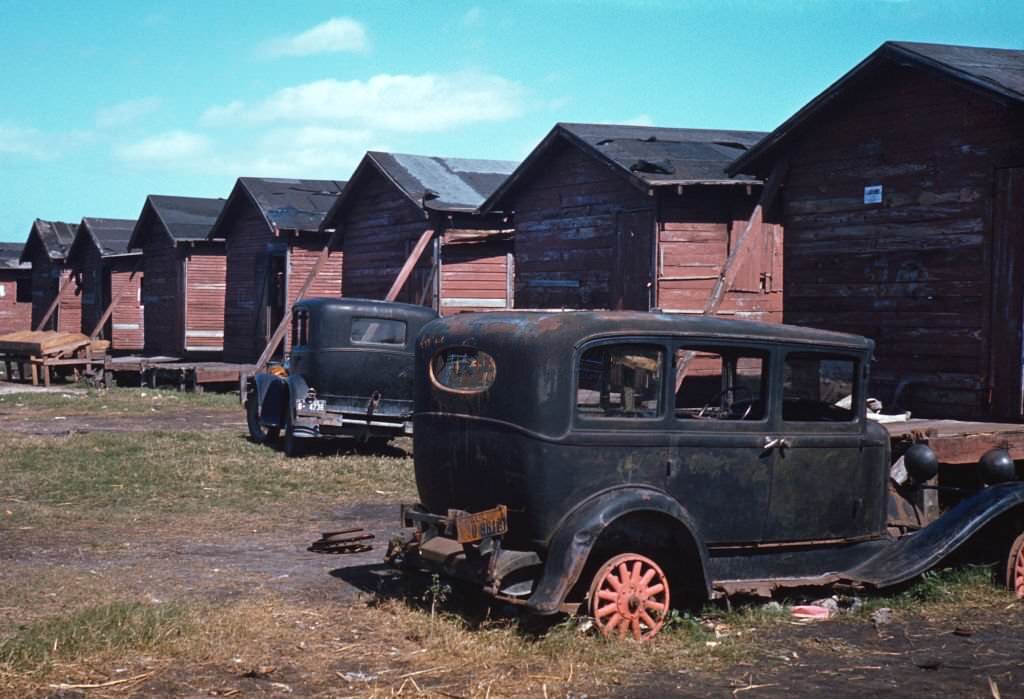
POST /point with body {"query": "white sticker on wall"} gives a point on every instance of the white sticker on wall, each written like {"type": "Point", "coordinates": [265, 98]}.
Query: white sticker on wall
{"type": "Point", "coordinates": [873, 194]}
{"type": "Point", "coordinates": [3, 290]}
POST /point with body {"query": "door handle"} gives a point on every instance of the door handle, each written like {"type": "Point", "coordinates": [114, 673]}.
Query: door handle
{"type": "Point", "coordinates": [775, 443]}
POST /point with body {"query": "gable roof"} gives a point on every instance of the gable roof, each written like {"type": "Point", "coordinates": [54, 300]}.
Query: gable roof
{"type": "Point", "coordinates": [285, 204]}
{"type": "Point", "coordinates": [55, 237]}
{"type": "Point", "coordinates": [186, 219]}
{"type": "Point", "coordinates": [648, 156]}
{"type": "Point", "coordinates": [998, 72]}
{"type": "Point", "coordinates": [109, 235]}
{"type": "Point", "coordinates": [430, 182]}
{"type": "Point", "coordinates": [9, 256]}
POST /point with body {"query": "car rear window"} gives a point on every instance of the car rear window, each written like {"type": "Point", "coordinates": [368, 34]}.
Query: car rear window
{"type": "Point", "coordinates": [463, 369]}
{"type": "Point", "coordinates": [620, 381]}
{"type": "Point", "coordinates": [377, 331]}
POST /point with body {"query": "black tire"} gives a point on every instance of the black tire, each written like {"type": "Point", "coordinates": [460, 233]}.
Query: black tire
{"type": "Point", "coordinates": [290, 445]}
{"type": "Point", "coordinates": [257, 432]}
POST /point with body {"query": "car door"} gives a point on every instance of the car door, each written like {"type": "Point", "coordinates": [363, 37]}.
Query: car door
{"type": "Point", "coordinates": [827, 481]}
{"type": "Point", "coordinates": [718, 467]}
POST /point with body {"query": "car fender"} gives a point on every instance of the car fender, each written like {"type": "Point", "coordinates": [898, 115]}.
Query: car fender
{"type": "Point", "coordinates": [578, 531]}
{"type": "Point", "coordinates": [273, 395]}
{"type": "Point", "coordinates": [916, 553]}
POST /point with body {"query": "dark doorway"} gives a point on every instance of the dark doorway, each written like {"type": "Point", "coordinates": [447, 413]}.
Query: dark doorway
{"type": "Point", "coordinates": [277, 299]}
{"type": "Point", "coordinates": [633, 284]}
{"type": "Point", "coordinates": [1006, 386]}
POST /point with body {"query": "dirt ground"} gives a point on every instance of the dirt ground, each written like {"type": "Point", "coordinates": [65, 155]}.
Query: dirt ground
{"type": "Point", "coordinates": [341, 625]}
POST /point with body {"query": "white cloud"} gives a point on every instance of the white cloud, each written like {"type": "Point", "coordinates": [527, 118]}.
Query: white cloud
{"type": "Point", "coordinates": [168, 148]}
{"type": "Point", "coordinates": [405, 103]}
{"type": "Point", "coordinates": [640, 120]}
{"type": "Point", "coordinates": [335, 35]}
{"type": "Point", "coordinates": [25, 141]}
{"type": "Point", "coordinates": [126, 112]}
{"type": "Point", "coordinates": [30, 142]}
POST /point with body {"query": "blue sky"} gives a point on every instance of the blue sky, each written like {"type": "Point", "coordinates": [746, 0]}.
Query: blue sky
{"type": "Point", "coordinates": [106, 102]}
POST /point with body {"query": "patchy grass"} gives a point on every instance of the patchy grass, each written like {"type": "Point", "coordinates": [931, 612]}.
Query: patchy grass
{"type": "Point", "coordinates": [115, 401]}
{"type": "Point", "coordinates": [186, 472]}
{"type": "Point", "coordinates": [100, 630]}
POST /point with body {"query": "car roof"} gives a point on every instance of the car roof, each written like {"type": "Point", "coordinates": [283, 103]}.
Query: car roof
{"type": "Point", "coordinates": [383, 309]}
{"type": "Point", "coordinates": [574, 327]}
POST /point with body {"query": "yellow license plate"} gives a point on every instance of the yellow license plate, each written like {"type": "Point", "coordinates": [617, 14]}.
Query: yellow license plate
{"type": "Point", "coordinates": [470, 527]}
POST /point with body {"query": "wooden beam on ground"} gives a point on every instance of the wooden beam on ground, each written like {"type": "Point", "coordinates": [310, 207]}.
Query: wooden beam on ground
{"type": "Point", "coordinates": [113, 304]}
{"type": "Point", "coordinates": [56, 302]}
{"type": "Point", "coordinates": [410, 264]}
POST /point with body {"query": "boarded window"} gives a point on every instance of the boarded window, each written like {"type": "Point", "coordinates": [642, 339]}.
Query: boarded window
{"type": "Point", "coordinates": [818, 388]}
{"type": "Point", "coordinates": [620, 381]}
{"type": "Point", "coordinates": [717, 384]}
{"type": "Point", "coordinates": [377, 331]}
{"type": "Point", "coordinates": [463, 369]}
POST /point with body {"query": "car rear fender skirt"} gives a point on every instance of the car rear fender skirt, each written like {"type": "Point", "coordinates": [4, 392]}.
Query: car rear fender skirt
{"type": "Point", "coordinates": [916, 553]}
{"type": "Point", "coordinates": [272, 393]}
{"type": "Point", "coordinates": [579, 530]}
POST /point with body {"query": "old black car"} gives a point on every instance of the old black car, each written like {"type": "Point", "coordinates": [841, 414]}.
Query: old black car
{"type": "Point", "coordinates": [627, 461]}
{"type": "Point", "coordinates": [349, 373]}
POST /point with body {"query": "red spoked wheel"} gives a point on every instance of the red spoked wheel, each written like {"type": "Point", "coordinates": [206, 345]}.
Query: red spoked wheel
{"type": "Point", "coordinates": [1015, 568]}
{"type": "Point", "coordinates": [629, 597]}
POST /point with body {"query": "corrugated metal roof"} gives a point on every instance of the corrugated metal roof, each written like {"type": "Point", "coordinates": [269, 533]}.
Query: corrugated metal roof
{"type": "Point", "coordinates": [444, 184]}
{"type": "Point", "coordinates": [292, 204]}
{"type": "Point", "coordinates": [186, 218]}
{"type": "Point", "coordinates": [665, 156]}
{"type": "Point", "coordinates": [109, 235]}
{"type": "Point", "coordinates": [9, 256]}
{"type": "Point", "coordinates": [55, 237]}
{"type": "Point", "coordinates": [997, 71]}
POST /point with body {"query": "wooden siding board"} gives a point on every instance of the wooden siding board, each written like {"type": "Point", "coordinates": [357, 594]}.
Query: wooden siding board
{"type": "Point", "coordinates": [915, 270]}
{"type": "Point", "coordinates": [161, 297]}
{"type": "Point", "coordinates": [302, 257]}
{"type": "Point", "coordinates": [205, 283]}
{"type": "Point", "coordinates": [15, 315]}
{"type": "Point", "coordinates": [249, 244]}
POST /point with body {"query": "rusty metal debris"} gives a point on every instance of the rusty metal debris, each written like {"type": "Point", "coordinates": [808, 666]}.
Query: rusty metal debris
{"type": "Point", "coordinates": [343, 542]}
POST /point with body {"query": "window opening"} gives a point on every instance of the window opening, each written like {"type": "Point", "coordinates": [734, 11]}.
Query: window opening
{"type": "Point", "coordinates": [620, 381]}
{"type": "Point", "coordinates": [720, 385]}
{"type": "Point", "coordinates": [818, 388]}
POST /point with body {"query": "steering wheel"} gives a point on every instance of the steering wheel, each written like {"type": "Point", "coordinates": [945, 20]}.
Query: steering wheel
{"type": "Point", "coordinates": [717, 398]}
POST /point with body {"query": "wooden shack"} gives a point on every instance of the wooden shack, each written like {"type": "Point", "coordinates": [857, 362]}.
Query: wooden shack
{"type": "Point", "coordinates": [15, 290]}
{"type": "Point", "coordinates": [636, 217]}
{"type": "Point", "coordinates": [903, 202]}
{"type": "Point", "coordinates": [183, 276]}
{"type": "Point", "coordinates": [271, 229]}
{"type": "Point", "coordinates": [397, 205]}
{"type": "Point", "coordinates": [107, 271]}
{"type": "Point", "coordinates": [45, 249]}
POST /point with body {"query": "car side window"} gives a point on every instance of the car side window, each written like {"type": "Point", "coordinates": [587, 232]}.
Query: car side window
{"type": "Point", "coordinates": [620, 381]}
{"type": "Point", "coordinates": [818, 388]}
{"type": "Point", "coordinates": [300, 328]}
{"type": "Point", "coordinates": [719, 384]}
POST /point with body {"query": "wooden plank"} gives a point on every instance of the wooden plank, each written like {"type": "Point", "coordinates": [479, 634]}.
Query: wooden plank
{"type": "Point", "coordinates": [56, 302]}
{"type": "Point", "coordinates": [410, 263]}
{"type": "Point", "coordinates": [109, 310]}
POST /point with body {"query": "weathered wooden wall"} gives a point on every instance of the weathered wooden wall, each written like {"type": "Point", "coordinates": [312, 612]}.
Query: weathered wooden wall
{"type": "Point", "coordinates": [696, 232]}
{"type": "Point", "coordinates": [162, 296]}
{"type": "Point", "coordinates": [89, 268]}
{"type": "Point", "coordinates": [47, 278]}
{"type": "Point", "coordinates": [126, 326]}
{"type": "Point", "coordinates": [302, 256]}
{"type": "Point", "coordinates": [15, 304]}
{"type": "Point", "coordinates": [914, 272]}
{"type": "Point", "coordinates": [565, 221]}
{"type": "Point", "coordinates": [475, 276]}
{"type": "Point", "coordinates": [379, 229]}
{"type": "Point", "coordinates": [585, 238]}
{"type": "Point", "coordinates": [249, 244]}
{"type": "Point", "coordinates": [205, 281]}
